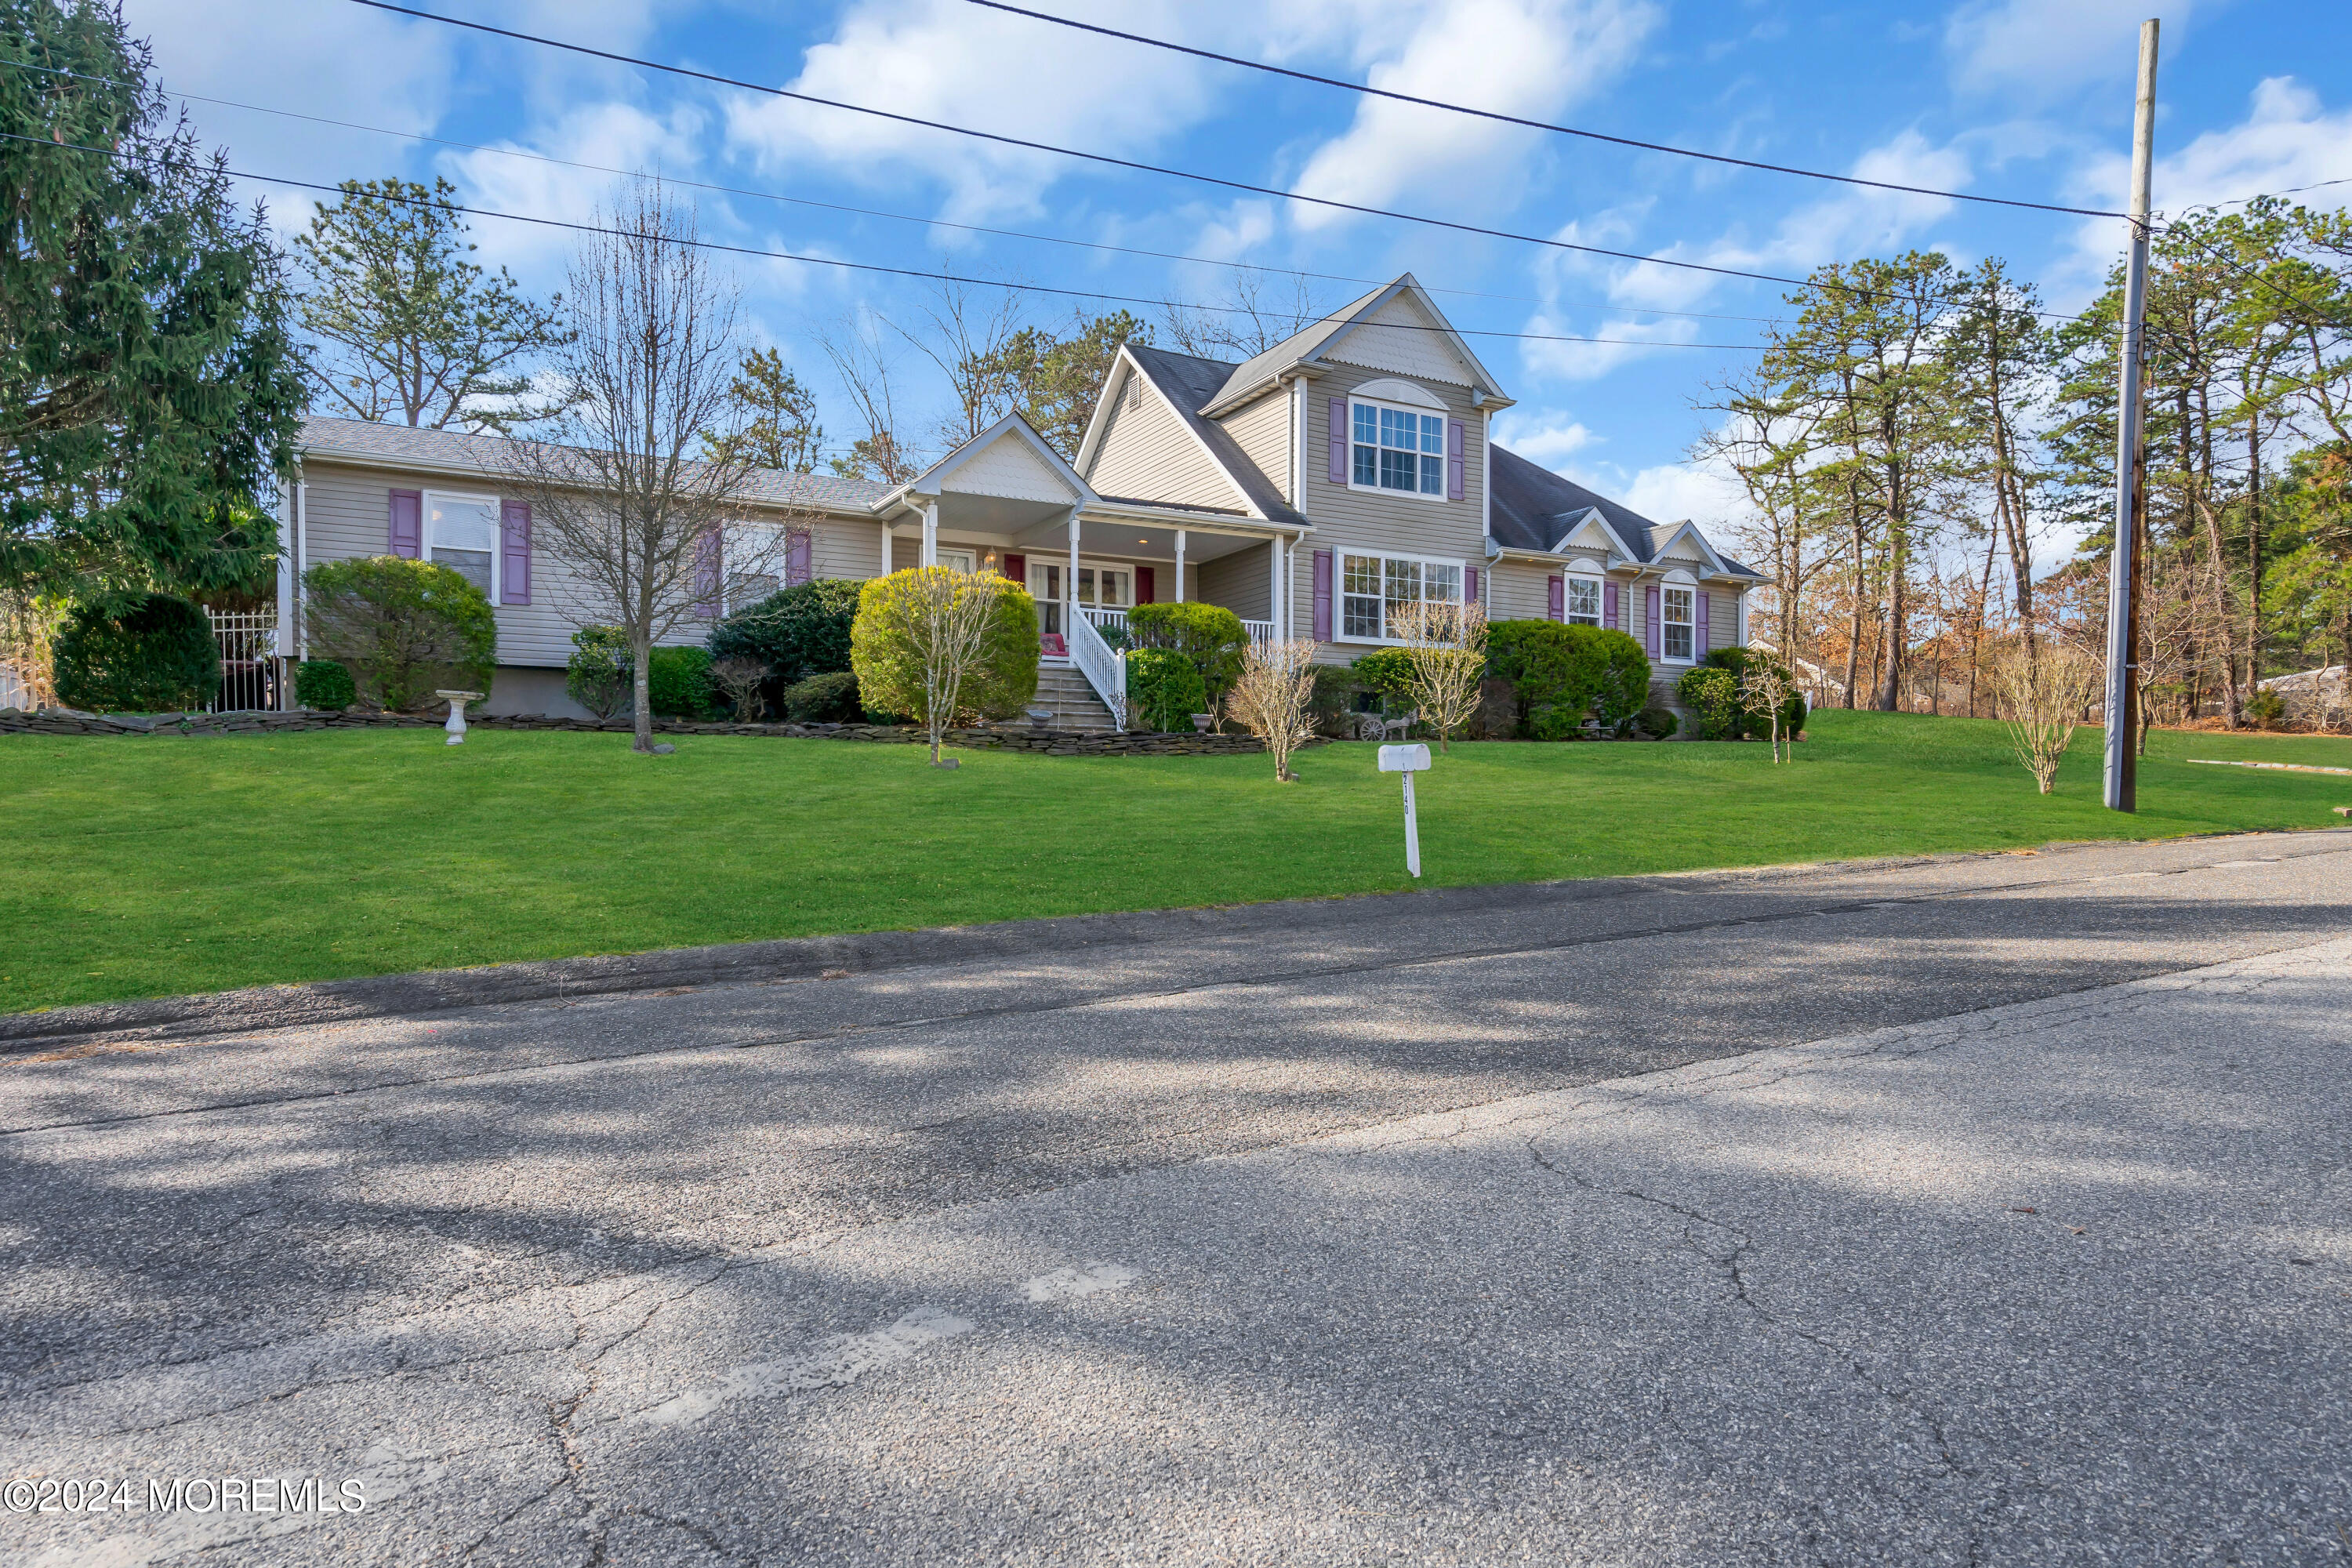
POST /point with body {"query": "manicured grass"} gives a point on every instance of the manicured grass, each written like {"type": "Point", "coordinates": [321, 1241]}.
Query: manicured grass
{"type": "Point", "coordinates": [152, 866]}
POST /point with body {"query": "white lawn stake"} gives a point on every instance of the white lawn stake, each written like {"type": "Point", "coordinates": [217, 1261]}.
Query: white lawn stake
{"type": "Point", "coordinates": [1408, 760]}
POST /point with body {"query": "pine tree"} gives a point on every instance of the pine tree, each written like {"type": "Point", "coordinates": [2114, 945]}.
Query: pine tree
{"type": "Point", "coordinates": [149, 386]}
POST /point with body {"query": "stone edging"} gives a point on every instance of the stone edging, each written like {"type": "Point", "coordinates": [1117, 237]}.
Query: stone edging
{"type": "Point", "coordinates": [1008, 738]}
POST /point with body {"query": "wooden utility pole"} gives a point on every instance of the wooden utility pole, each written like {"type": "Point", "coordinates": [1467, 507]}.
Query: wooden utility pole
{"type": "Point", "coordinates": [2122, 770]}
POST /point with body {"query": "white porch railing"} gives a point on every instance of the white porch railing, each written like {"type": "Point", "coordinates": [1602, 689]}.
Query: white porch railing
{"type": "Point", "coordinates": [1260, 632]}
{"type": "Point", "coordinates": [1105, 670]}
{"type": "Point", "coordinates": [1103, 618]}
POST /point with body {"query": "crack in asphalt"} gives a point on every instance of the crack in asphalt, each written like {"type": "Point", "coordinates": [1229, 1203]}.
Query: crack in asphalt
{"type": "Point", "coordinates": [1028, 1009]}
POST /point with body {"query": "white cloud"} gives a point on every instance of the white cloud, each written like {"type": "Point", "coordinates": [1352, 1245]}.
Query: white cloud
{"type": "Point", "coordinates": [1529, 57]}
{"type": "Point", "coordinates": [1672, 492]}
{"type": "Point", "coordinates": [1548, 441]}
{"type": "Point", "coordinates": [2288, 139]}
{"type": "Point", "coordinates": [2040, 47]}
{"type": "Point", "coordinates": [942, 59]}
{"type": "Point", "coordinates": [611, 135]}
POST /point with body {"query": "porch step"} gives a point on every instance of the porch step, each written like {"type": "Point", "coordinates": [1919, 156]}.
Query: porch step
{"type": "Point", "coordinates": [1064, 693]}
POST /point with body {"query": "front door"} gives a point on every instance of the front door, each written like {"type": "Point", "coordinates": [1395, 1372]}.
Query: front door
{"type": "Point", "coordinates": [1045, 587]}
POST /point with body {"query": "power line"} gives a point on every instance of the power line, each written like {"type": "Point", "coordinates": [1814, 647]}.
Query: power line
{"type": "Point", "coordinates": [928, 277]}
{"type": "Point", "coordinates": [1105, 158]}
{"type": "Point", "coordinates": [896, 217]}
{"type": "Point", "coordinates": [1346, 86]}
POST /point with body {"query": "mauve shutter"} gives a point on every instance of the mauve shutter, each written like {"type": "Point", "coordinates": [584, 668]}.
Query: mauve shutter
{"type": "Point", "coordinates": [1650, 596]}
{"type": "Point", "coordinates": [1323, 594]}
{"type": "Point", "coordinates": [1608, 602]}
{"type": "Point", "coordinates": [1338, 440]}
{"type": "Point", "coordinates": [1017, 568]}
{"type": "Point", "coordinates": [706, 576]}
{"type": "Point", "coordinates": [1455, 479]}
{"type": "Point", "coordinates": [404, 529]}
{"type": "Point", "coordinates": [1470, 584]}
{"type": "Point", "coordinates": [800, 558]}
{"type": "Point", "coordinates": [1558, 600]}
{"type": "Point", "coordinates": [1143, 585]}
{"type": "Point", "coordinates": [514, 552]}
{"type": "Point", "coordinates": [1699, 647]}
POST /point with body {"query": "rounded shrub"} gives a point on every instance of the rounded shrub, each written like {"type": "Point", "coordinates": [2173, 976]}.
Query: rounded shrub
{"type": "Point", "coordinates": [1387, 672]}
{"type": "Point", "coordinates": [403, 628]}
{"type": "Point", "coordinates": [1584, 669]}
{"type": "Point", "coordinates": [1163, 690]}
{"type": "Point", "coordinates": [1712, 697]}
{"type": "Point", "coordinates": [796, 632]}
{"type": "Point", "coordinates": [887, 645]}
{"type": "Point", "coordinates": [1212, 637]}
{"type": "Point", "coordinates": [323, 684]}
{"type": "Point", "coordinates": [1555, 721]}
{"type": "Point", "coordinates": [678, 683]}
{"type": "Point", "coordinates": [157, 656]}
{"type": "Point", "coordinates": [827, 698]}
{"type": "Point", "coordinates": [1752, 723]}
{"type": "Point", "coordinates": [602, 675]}
{"type": "Point", "coordinates": [1658, 723]}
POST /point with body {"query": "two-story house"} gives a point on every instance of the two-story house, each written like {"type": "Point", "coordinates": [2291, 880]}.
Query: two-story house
{"type": "Point", "coordinates": [1311, 489]}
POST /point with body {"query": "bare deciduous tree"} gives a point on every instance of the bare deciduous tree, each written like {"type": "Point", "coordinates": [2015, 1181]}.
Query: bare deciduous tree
{"type": "Point", "coordinates": [1765, 687]}
{"type": "Point", "coordinates": [740, 676]}
{"type": "Point", "coordinates": [1257, 313]}
{"type": "Point", "coordinates": [863, 361]}
{"type": "Point", "coordinates": [971, 341]}
{"type": "Point", "coordinates": [2043, 693]}
{"type": "Point", "coordinates": [1271, 699]}
{"type": "Point", "coordinates": [1447, 647]}
{"type": "Point", "coordinates": [638, 523]}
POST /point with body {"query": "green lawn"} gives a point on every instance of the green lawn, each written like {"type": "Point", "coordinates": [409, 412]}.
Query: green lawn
{"type": "Point", "coordinates": [152, 866]}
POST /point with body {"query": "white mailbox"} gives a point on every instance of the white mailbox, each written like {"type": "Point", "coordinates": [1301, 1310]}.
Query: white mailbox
{"type": "Point", "coordinates": [1408, 760]}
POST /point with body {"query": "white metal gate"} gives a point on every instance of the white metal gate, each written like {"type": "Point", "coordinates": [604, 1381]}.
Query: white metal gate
{"type": "Point", "coordinates": [249, 656]}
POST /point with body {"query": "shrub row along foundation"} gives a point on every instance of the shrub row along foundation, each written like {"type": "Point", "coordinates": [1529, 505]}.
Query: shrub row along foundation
{"type": "Point", "coordinates": [1056, 742]}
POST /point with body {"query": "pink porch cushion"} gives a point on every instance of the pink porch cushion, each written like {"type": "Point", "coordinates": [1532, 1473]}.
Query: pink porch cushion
{"type": "Point", "coordinates": [1051, 645]}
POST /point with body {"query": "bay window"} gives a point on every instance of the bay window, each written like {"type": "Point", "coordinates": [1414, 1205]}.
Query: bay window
{"type": "Point", "coordinates": [1373, 589]}
{"type": "Point", "coordinates": [1397, 450]}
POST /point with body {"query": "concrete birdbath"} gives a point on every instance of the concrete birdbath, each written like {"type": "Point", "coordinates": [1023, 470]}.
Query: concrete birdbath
{"type": "Point", "coordinates": [456, 724]}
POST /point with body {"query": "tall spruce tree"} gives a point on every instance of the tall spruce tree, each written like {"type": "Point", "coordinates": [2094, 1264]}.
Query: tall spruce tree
{"type": "Point", "coordinates": [149, 385]}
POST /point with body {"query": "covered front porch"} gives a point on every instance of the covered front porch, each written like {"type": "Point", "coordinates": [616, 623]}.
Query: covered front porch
{"type": "Point", "coordinates": [1007, 503]}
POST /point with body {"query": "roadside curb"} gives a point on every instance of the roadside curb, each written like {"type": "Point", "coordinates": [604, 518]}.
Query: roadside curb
{"type": "Point", "coordinates": [265, 1007]}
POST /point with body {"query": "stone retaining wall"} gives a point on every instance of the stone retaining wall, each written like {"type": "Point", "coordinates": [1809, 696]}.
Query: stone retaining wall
{"type": "Point", "coordinates": [1009, 738]}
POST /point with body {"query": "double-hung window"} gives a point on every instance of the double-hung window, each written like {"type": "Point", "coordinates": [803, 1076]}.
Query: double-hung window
{"type": "Point", "coordinates": [1584, 601]}
{"type": "Point", "coordinates": [1374, 589]}
{"type": "Point", "coordinates": [1397, 450]}
{"type": "Point", "coordinates": [1678, 624]}
{"type": "Point", "coordinates": [461, 532]}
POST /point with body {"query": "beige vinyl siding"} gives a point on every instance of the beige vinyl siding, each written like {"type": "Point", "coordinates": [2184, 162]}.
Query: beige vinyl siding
{"type": "Point", "coordinates": [1261, 430]}
{"type": "Point", "coordinates": [1147, 453]}
{"type": "Point", "coordinates": [1381, 522]}
{"type": "Point", "coordinates": [1519, 592]}
{"type": "Point", "coordinates": [348, 516]}
{"type": "Point", "coordinates": [1242, 581]}
{"type": "Point", "coordinates": [1722, 619]}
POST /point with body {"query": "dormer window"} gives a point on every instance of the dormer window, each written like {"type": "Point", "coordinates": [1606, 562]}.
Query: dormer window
{"type": "Point", "coordinates": [1397, 450]}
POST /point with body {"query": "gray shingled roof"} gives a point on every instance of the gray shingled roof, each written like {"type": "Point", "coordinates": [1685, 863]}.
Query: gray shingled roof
{"type": "Point", "coordinates": [1533, 506]}
{"type": "Point", "coordinates": [1295, 347]}
{"type": "Point", "coordinates": [1188, 384]}
{"type": "Point", "coordinates": [392, 443]}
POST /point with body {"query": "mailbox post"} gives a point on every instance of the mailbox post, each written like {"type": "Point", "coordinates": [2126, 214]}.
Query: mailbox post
{"type": "Point", "coordinates": [1408, 760]}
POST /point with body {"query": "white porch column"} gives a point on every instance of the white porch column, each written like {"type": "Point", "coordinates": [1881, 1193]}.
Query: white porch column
{"type": "Point", "coordinates": [1273, 605]}
{"type": "Point", "coordinates": [1179, 566]}
{"type": "Point", "coordinates": [1070, 581]}
{"type": "Point", "coordinates": [931, 532]}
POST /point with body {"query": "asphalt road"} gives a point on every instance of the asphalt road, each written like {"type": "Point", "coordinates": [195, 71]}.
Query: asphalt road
{"type": "Point", "coordinates": [1958, 1211]}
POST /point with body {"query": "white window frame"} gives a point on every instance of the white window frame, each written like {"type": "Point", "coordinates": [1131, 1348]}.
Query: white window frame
{"type": "Point", "coordinates": [1593, 579]}
{"type": "Point", "coordinates": [1666, 622]}
{"type": "Point", "coordinates": [1339, 594]}
{"type": "Point", "coordinates": [498, 531]}
{"type": "Point", "coordinates": [1376, 487]}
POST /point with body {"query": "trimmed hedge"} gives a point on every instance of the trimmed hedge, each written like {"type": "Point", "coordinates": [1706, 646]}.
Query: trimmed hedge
{"type": "Point", "coordinates": [889, 664]}
{"type": "Point", "coordinates": [159, 655]}
{"type": "Point", "coordinates": [1572, 670]}
{"type": "Point", "coordinates": [678, 683]}
{"type": "Point", "coordinates": [1712, 694]}
{"type": "Point", "coordinates": [1163, 690]}
{"type": "Point", "coordinates": [1386, 672]}
{"type": "Point", "coordinates": [827, 698]}
{"type": "Point", "coordinates": [323, 684]}
{"type": "Point", "coordinates": [796, 632]}
{"type": "Point", "coordinates": [403, 628]}
{"type": "Point", "coordinates": [602, 675]}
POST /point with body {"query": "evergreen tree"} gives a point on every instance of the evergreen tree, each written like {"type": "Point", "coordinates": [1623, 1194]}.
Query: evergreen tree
{"type": "Point", "coordinates": [403, 328]}
{"type": "Point", "coordinates": [150, 388]}
{"type": "Point", "coordinates": [777, 425]}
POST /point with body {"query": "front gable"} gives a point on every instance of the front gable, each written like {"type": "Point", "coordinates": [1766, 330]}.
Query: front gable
{"type": "Point", "coordinates": [1403, 339]}
{"type": "Point", "coordinates": [1008, 467]}
{"type": "Point", "coordinates": [1686, 546]}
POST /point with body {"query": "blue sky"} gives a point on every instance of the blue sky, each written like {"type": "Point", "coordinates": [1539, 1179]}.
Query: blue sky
{"type": "Point", "coordinates": [2028, 98]}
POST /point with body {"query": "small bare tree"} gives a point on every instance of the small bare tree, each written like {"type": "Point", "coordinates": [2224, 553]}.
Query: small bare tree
{"type": "Point", "coordinates": [1272, 697]}
{"type": "Point", "coordinates": [970, 340]}
{"type": "Point", "coordinates": [868, 375]}
{"type": "Point", "coordinates": [1765, 688]}
{"type": "Point", "coordinates": [1447, 647]}
{"type": "Point", "coordinates": [1257, 314]}
{"type": "Point", "coordinates": [2043, 694]}
{"type": "Point", "coordinates": [920, 639]}
{"type": "Point", "coordinates": [622, 500]}
{"type": "Point", "coordinates": [742, 677]}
